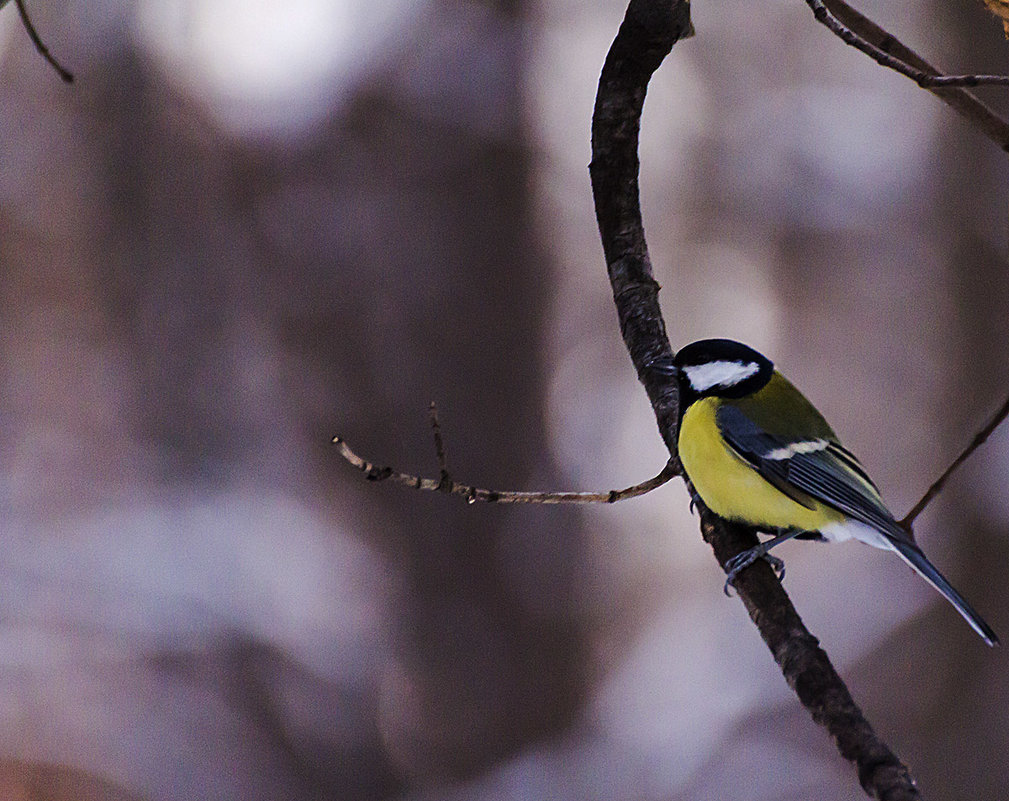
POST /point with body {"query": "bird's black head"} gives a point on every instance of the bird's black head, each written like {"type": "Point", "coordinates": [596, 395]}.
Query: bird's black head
{"type": "Point", "coordinates": [719, 367]}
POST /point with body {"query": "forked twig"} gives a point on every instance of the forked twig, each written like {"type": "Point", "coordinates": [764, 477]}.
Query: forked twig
{"type": "Point", "coordinates": [938, 484]}
{"type": "Point", "coordinates": [921, 77]}
{"type": "Point", "coordinates": [473, 494]}
{"type": "Point", "coordinates": [958, 98]}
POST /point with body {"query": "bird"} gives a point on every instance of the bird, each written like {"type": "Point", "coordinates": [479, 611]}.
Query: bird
{"type": "Point", "coordinates": [757, 452]}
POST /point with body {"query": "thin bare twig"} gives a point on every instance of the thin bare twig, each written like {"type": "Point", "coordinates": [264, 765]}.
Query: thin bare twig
{"type": "Point", "coordinates": [446, 485]}
{"type": "Point", "coordinates": [937, 485]}
{"type": "Point", "coordinates": [923, 78]}
{"type": "Point", "coordinates": [958, 98]}
{"type": "Point", "coordinates": [62, 71]}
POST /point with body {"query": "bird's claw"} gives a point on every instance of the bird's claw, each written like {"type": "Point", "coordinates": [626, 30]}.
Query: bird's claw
{"type": "Point", "coordinates": [695, 499]}
{"type": "Point", "coordinates": [738, 563]}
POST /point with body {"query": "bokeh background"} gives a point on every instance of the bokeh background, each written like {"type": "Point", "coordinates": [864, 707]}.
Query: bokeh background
{"type": "Point", "coordinates": [249, 226]}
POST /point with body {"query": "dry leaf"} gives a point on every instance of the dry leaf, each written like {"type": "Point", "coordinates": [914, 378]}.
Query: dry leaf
{"type": "Point", "coordinates": [1000, 8]}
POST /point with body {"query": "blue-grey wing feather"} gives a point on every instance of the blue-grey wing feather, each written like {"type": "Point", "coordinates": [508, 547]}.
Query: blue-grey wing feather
{"type": "Point", "coordinates": [830, 475]}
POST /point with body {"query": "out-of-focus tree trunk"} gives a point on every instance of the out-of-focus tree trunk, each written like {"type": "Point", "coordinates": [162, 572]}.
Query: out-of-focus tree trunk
{"type": "Point", "coordinates": [189, 319]}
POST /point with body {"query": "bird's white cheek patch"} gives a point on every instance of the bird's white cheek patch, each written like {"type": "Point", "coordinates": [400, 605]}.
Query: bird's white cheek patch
{"type": "Point", "coordinates": [793, 448]}
{"type": "Point", "coordinates": [703, 377]}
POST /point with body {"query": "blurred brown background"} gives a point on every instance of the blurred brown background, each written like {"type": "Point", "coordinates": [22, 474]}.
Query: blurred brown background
{"type": "Point", "coordinates": [249, 226]}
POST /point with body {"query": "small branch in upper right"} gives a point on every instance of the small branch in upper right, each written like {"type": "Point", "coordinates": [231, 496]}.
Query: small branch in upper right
{"type": "Point", "coordinates": [923, 78]}
{"type": "Point", "coordinates": [978, 114]}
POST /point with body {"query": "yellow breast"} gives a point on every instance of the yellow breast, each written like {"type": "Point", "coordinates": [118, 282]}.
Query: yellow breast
{"type": "Point", "coordinates": [730, 487]}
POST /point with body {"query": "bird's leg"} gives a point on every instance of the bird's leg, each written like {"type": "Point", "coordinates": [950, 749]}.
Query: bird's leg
{"type": "Point", "coordinates": [741, 561]}
{"type": "Point", "coordinates": [695, 499]}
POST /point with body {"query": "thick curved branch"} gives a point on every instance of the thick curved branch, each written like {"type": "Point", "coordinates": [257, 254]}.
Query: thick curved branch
{"type": "Point", "coordinates": [807, 669]}
{"type": "Point", "coordinates": [645, 38]}
{"type": "Point", "coordinates": [647, 34]}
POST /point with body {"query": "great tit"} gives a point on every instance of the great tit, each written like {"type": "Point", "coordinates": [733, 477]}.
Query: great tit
{"type": "Point", "coordinates": [757, 452]}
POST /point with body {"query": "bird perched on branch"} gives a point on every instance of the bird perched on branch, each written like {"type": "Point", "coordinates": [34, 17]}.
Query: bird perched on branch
{"type": "Point", "coordinates": [757, 452]}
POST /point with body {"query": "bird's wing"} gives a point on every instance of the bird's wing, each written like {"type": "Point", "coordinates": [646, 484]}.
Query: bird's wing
{"type": "Point", "coordinates": [817, 468]}
{"type": "Point", "coordinates": [820, 468]}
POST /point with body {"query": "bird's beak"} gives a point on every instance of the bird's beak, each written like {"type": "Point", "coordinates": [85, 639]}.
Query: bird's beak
{"type": "Point", "coordinates": [663, 365]}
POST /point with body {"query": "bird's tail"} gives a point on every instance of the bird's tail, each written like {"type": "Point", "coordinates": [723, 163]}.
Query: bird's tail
{"type": "Point", "coordinates": [912, 554]}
